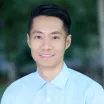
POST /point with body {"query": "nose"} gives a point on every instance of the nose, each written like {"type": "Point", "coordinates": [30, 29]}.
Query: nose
{"type": "Point", "coordinates": [46, 44]}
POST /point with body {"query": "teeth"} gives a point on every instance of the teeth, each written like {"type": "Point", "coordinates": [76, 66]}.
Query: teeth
{"type": "Point", "coordinates": [46, 55]}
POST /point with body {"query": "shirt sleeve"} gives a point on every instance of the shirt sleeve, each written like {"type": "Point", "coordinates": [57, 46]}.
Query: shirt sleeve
{"type": "Point", "coordinates": [95, 95]}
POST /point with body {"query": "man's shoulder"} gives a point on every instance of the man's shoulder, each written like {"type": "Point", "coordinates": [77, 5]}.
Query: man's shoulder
{"type": "Point", "coordinates": [19, 87]}
{"type": "Point", "coordinates": [78, 75]}
{"type": "Point", "coordinates": [86, 87]}
{"type": "Point", "coordinates": [82, 80]}
{"type": "Point", "coordinates": [21, 82]}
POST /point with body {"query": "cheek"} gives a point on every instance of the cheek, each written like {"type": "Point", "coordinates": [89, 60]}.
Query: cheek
{"type": "Point", "coordinates": [60, 47]}
{"type": "Point", "coordinates": [35, 45]}
{"type": "Point", "coordinates": [34, 50]}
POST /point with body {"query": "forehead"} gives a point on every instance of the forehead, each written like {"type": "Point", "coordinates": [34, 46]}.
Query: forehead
{"type": "Point", "coordinates": [47, 22]}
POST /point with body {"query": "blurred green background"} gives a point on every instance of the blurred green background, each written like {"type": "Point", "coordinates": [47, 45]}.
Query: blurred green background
{"type": "Point", "coordinates": [85, 52]}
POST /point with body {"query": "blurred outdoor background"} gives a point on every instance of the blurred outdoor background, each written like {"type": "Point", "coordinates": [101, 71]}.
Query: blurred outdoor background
{"type": "Point", "coordinates": [85, 55]}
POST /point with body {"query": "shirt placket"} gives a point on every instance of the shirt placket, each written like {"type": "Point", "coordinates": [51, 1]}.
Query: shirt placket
{"type": "Point", "coordinates": [48, 94]}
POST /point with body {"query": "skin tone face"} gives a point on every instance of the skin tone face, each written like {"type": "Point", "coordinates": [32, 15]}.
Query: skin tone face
{"type": "Point", "coordinates": [47, 41]}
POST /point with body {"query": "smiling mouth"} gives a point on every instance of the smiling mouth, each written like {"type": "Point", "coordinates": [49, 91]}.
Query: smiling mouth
{"type": "Point", "coordinates": [47, 56]}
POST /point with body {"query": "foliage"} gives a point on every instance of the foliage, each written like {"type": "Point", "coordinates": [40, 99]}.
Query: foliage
{"type": "Point", "coordinates": [2, 89]}
{"type": "Point", "coordinates": [14, 15]}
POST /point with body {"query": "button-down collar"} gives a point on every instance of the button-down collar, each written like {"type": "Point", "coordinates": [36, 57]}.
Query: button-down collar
{"type": "Point", "coordinates": [59, 81]}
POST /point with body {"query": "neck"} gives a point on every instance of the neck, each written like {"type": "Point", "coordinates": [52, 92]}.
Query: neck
{"type": "Point", "coordinates": [49, 73]}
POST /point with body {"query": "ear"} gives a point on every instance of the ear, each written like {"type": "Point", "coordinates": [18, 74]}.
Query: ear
{"type": "Point", "coordinates": [68, 41]}
{"type": "Point", "coordinates": [28, 40]}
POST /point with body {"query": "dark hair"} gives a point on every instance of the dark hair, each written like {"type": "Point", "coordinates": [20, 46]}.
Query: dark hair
{"type": "Point", "coordinates": [51, 10]}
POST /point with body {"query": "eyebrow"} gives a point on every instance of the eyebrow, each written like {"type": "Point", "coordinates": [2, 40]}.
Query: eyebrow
{"type": "Point", "coordinates": [56, 32]}
{"type": "Point", "coordinates": [36, 31]}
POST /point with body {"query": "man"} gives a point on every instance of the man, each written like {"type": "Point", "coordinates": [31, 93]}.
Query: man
{"type": "Point", "coordinates": [53, 83]}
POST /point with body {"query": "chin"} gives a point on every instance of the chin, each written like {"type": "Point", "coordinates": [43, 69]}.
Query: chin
{"type": "Point", "coordinates": [47, 64]}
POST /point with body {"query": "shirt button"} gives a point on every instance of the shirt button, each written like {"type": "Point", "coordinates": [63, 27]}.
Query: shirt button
{"type": "Point", "coordinates": [48, 100]}
{"type": "Point", "coordinates": [65, 79]}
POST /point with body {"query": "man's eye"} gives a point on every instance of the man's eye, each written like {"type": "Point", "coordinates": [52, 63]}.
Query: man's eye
{"type": "Point", "coordinates": [37, 37]}
{"type": "Point", "coordinates": [55, 37]}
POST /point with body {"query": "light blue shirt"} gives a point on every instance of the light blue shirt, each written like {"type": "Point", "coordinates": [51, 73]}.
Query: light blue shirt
{"type": "Point", "coordinates": [68, 87]}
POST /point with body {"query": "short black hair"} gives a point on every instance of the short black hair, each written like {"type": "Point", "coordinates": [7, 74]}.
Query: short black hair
{"type": "Point", "coordinates": [51, 10]}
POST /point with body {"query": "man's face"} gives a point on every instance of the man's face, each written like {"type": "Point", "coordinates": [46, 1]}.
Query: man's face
{"type": "Point", "coordinates": [48, 41]}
